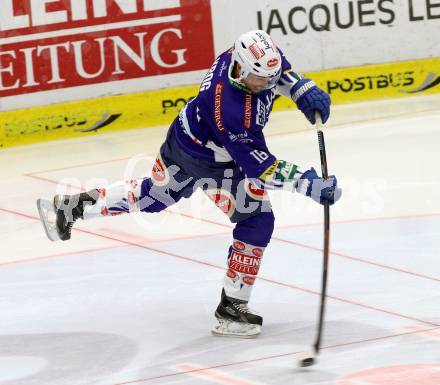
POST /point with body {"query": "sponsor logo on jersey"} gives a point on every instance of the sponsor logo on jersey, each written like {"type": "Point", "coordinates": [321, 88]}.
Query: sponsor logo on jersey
{"type": "Point", "coordinates": [247, 111]}
{"type": "Point", "coordinates": [270, 99]}
{"type": "Point", "coordinates": [223, 67]}
{"type": "Point", "coordinates": [256, 51]}
{"type": "Point", "coordinates": [241, 137]}
{"type": "Point", "coordinates": [223, 200]}
{"type": "Point", "coordinates": [243, 263]}
{"type": "Point", "coordinates": [255, 192]}
{"type": "Point", "coordinates": [257, 252]}
{"type": "Point", "coordinates": [218, 107]}
{"type": "Point", "coordinates": [260, 118]}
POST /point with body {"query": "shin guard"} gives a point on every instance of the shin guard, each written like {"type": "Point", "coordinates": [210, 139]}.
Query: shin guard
{"type": "Point", "coordinates": [244, 262]}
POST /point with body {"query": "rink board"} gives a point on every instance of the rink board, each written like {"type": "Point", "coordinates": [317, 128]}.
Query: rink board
{"type": "Point", "coordinates": [159, 107]}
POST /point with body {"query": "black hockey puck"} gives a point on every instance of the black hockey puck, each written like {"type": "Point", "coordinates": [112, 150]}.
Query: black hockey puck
{"type": "Point", "coordinates": [307, 362]}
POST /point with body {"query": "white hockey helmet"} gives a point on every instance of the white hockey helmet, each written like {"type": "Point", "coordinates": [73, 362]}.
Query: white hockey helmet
{"type": "Point", "coordinates": [257, 54]}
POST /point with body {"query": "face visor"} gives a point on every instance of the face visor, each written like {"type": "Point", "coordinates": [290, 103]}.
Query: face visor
{"type": "Point", "coordinates": [258, 83]}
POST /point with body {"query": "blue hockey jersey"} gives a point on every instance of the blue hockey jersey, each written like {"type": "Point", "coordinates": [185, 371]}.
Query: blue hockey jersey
{"type": "Point", "coordinates": [225, 122]}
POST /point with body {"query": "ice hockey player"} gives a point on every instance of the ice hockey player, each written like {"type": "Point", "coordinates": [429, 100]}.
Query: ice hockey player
{"type": "Point", "coordinates": [216, 143]}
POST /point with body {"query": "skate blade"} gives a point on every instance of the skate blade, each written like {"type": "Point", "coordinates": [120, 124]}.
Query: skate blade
{"type": "Point", "coordinates": [226, 328]}
{"type": "Point", "coordinates": [46, 208]}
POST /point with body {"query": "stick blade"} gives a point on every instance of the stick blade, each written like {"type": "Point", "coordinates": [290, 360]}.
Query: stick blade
{"type": "Point", "coordinates": [305, 359]}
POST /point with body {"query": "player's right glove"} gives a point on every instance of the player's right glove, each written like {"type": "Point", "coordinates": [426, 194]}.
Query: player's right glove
{"type": "Point", "coordinates": [311, 99]}
{"type": "Point", "coordinates": [319, 189]}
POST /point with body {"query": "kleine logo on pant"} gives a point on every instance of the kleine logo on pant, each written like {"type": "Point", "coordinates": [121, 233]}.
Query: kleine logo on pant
{"type": "Point", "coordinates": [243, 263]}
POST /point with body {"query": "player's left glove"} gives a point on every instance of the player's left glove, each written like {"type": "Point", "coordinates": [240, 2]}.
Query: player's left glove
{"type": "Point", "coordinates": [319, 189]}
{"type": "Point", "coordinates": [309, 99]}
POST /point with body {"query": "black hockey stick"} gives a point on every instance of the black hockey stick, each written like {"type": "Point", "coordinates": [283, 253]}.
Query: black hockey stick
{"type": "Point", "coordinates": [323, 156]}
{"type": "Point", "coordinates": [308, 358]}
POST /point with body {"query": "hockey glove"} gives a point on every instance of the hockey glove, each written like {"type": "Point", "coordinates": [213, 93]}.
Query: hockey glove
{"type": "Point", "coordinates": [319, 189]}
{"type": "Point", "coordinates": [309, 99]}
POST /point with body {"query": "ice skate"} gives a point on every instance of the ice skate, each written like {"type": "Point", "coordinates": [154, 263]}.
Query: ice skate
{"type": "Point", "coordinates": [59, 215]}
{"type": "Point", "coordinates": [235, 319]}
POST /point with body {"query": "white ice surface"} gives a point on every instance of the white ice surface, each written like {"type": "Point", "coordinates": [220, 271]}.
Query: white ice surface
{"type": "Point", "coordinates": [130, 300]}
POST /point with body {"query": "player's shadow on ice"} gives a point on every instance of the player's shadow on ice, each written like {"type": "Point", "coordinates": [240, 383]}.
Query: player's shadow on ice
{"type": "Point", "coordinates": [62, 358]}
{"type": "Point", "coordinates": [278, 340]}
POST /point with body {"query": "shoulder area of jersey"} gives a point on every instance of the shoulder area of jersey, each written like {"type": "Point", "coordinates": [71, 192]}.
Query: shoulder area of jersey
{"type": "Point", "coordinates": [218, 72]}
